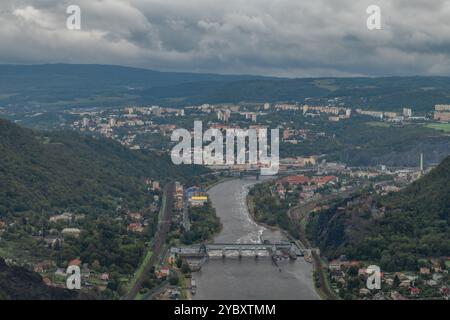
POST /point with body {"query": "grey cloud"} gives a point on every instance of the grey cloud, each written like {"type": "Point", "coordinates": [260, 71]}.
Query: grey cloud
{"type": "Point", "coordinates": [272, 37]}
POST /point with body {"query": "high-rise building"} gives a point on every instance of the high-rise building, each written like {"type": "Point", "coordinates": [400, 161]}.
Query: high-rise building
{"type": "Point", "coordinates": [226, 115]}
{"type": "Point", "coordinates": [407, 112]}
{"type": "Point", "coordinates": [86, 122]}
{"type": "Point", "coordinates": [442, 116]}
{"type": "Point", "coordinates": [442, 112]}
{"type": "Point", "coordinates": [442, 107]}
{"type": "Point", "coordinates": [223, 115]}
{"type": "Point", "coordinates": [157, 111]}
{"type": "Point", "coordinates": [112, 122]}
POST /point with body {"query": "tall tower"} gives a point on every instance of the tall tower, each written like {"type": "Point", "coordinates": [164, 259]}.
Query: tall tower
{"type": "Point", "coordinates": [421, 164]}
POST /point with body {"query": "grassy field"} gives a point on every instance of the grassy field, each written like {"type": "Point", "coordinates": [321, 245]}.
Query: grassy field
{"type": "Point", "coordinates": [439, 126]}
{"type": "Point", "coordinates": [378, 124]}
{"type": "Point", "coordinates": [328, 84]}
{"type": "Point", "coordinates": [141, 268]}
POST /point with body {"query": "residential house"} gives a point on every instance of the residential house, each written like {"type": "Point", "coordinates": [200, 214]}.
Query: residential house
{"type": "Point", "coordinates": [43, 266]}
{"type": "Point", "coordinates": [135, 227]}
{"type": "Point", "coordinates": [65, 217]}
{"type": "Point", "coordinates": [60, 272]}
{"type": "Point", "coordinates": [72, 232]}
{"type": "Point", "coordinates": [431, 283]}
{"type": "Point", "coordinates": [364, 291]}
{"type": "Point", "coordinates": [415, 292]}
{"type": "Point", "coordinates": [164, 272]}
{"type": "Point", "coordinates": [397, 296]}
{"type": "Point", "coordinates": [405, 284]}
{"type": "Point", "coordinates": [104, 276]}
{"type": "Point", "coordinates": [137, 216]}
{"type": "Point", "coordinates": [334, 265]}
{"type": "Point", "coordinates": [52, 241]}
{"type": "Point", "coordinates": [425, 271]}
{"type": "Point", "coordinates": [75, 262]}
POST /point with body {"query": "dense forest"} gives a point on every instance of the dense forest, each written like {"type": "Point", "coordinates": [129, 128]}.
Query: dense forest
{"type": "Point", "coordinates": [269, 209]}
{"type": "Point", "coordinates": [396, 230]}
{"type": "Point", "coordinates": [65, 171]}
{"type": "Point", "coordinates": [204, 224]}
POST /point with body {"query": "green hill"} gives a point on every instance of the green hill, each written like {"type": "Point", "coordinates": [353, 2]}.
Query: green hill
{"type": "Point", "coordinates": [63, 170]}
{"type": "Point", "coordinates": [395, 230]}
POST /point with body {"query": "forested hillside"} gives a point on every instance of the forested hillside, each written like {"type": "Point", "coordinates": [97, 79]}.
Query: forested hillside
{"type": "Point", "coordinates": [20, 283]}
{"type": "Point", "coordinates": [63, 170]}
{"type": "Point", "coordinates": [395, 230]}
{"type": "Point", "coordinates": [96, 181]}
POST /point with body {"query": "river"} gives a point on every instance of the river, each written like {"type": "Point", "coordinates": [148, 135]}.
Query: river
{"type": "Point", "coordinates": [249, 278]}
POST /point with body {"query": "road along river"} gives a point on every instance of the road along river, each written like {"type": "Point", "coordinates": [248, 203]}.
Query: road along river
{"type": "Point", "coordinates": [249, 278]}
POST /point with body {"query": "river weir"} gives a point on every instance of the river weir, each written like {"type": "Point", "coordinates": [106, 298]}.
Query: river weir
{"type": "Point", "coordinates": [249, 277]}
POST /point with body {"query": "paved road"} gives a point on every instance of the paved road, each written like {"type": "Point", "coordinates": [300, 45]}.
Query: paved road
{"type": "Point", "coordinates": [159, 240]}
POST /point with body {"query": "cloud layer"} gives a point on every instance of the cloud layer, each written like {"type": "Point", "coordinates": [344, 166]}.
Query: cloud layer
{"type": "Point", "coordinates": [295, 38]}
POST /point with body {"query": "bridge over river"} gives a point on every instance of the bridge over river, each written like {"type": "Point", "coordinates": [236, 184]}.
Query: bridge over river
{"type": "Point", "coordinates": [238, 249]}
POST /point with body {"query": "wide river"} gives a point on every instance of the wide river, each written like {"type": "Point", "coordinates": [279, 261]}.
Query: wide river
{"type": "Point", "coordinates": [249, 278]}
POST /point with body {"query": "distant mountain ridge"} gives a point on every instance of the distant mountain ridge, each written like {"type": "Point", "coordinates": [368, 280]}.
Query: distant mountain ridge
{"type": "Point", "coordinates": [60, 86]}
{"type": "Point", "coordinates": [64, 85]}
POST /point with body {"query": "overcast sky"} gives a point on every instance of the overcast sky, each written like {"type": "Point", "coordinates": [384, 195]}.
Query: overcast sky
{"type": "Point", "coordinates": [296, 38]}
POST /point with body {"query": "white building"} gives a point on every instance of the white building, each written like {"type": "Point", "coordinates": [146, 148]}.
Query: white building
{"type": "Point", "coordinates": [407, 112]}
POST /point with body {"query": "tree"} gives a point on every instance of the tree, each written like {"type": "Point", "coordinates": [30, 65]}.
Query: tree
{"type": "Point", "coordinates": [112, 285]}
{"type": "Point", "coordinates": [396, 281]}
{"type": "Point", "coordinates": [179, 262]}
{"type": "Point", "coordinates": [185, 267]}
{"type": "Point", "coordinates": [174, 280]}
